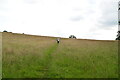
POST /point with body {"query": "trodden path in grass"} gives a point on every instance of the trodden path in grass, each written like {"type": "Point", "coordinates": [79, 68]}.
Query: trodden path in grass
{"type": "Point", "coordinates": [48, 57]}
{"type": "Point", "coordinates": [26, 56]}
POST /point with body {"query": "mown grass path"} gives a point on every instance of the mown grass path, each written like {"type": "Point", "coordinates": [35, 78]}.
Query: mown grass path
{"type": "Point", "coordinates": [48, 57]}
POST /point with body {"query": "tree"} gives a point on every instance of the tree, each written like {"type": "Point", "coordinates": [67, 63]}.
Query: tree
{"type": "Point", "coordinates": [118, 36]}
{"type": "Point", "coordinates": [72, 36]}
{"type": "Point", "coordinates": [4, 31]}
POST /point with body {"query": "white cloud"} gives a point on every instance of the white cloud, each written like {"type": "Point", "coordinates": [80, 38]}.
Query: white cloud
{"type": "Point", "coordinates": [83, 18]}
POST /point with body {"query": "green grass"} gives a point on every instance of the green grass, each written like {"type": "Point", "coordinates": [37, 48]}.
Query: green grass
{"type": "Point", "coordinates": [0, 55]}
{"type": "Point", "coordinates": [26, 56]}
{"type": "Point", "coordinates": [96, 61]}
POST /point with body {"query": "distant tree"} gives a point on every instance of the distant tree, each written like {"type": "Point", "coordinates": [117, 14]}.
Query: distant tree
{"type": "Point", "coordinates": [72, 36]}
{"type": "Point", "coordinates": [119, 22]}
{"type": "Point", "coordinates": [118, 36]}
{"type": "Point", "coordinates": [4, 31]}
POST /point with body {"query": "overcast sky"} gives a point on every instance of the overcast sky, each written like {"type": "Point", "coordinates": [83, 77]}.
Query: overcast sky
{"type": "Point", "coordinates": [86, 19]}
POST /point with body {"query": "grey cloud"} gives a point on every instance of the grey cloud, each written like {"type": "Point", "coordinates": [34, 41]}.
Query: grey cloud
{"type": "Point", "coordinates": [76, 18]}
{"type": "Point", "coordinates": [3, 1]}
{"type": "Point", "coordinates": [3, 8]}
{"type": "Point", "coordinates": [76, 9]}
{"type": "Point", "coordinates": [3, 5]}
{"type": "Point", "coordinates": [92, 1]}
{"type": "Point", "coordinates": [108, 22]}
{"type": "Point", "coordinates": [3, 20]}
{"type": "Point", "coordinates": [109, 14]}
{"type": "Point", "coordinates": [109, 19]}
{"type": "Point", "coordinates": [30, 1]}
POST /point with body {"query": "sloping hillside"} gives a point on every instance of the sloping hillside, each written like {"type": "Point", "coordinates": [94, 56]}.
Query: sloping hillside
{"type": "Point", "coordinates": [28, 56]}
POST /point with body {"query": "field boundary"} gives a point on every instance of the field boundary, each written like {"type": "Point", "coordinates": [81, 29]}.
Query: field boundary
{"type": "Point", "coordinates": [60, 37]}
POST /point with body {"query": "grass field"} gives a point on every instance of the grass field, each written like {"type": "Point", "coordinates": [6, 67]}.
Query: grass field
{"type": "Point", "coordinates": [27, 56]}
{"type": "Point", "coordinates": [0, 55]}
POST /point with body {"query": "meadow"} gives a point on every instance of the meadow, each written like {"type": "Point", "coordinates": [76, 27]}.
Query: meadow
{"type": "Point", "coordinates": [0, 55]}
{"type": "Point", "coordinates": [29, 56]}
